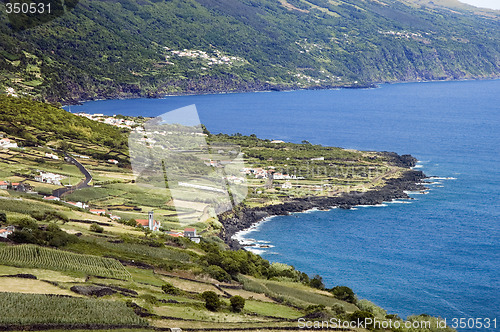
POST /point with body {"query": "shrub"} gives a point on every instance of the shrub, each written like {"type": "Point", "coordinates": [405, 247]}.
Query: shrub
{"type": "Point", "coordinates": [212, 301]}
{"type": "Point", "coordinates": [168, 288]}
{"type": "Point", "coordinates": [149, 298]}
{"type": "Point", "coordinates": [338, 309]}
{"type": "Point", "coordinates": [130, 222]}
{"type": "Point", "coordinates": [237, 303]}
{"type": "Point", "coordinates": [96, 228]}
{"type": "Point", "coordinates": [365, 305]}
{"type": "Point", "coordinates": [3, 217]}
{"type": "Point", "coordinates": [343, 293]}
{"type": "Point", "coordinates": [360, 316]}
{"type": "Point", "coordinates": [218, 273]}
{"type": "Point", "coordinates": [314, 308]}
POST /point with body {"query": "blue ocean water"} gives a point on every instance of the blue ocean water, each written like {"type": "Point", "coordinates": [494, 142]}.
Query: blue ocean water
{"type": "Point", "coordinates": [439, 254]}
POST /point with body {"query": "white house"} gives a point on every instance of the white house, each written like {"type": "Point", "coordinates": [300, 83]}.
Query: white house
{"type": "Point", "coordinates": [6, 143]}
{"type": "Point", "coordinates": [190, 233]}
{"type": "Point", "coordinates": [50, 178]}
{"type": "Point", "coordinates": [3, 185]}
{"type": "Point", "coordinates": [78, 204]}
{"type": "Point", "coordinates": [6, 231]}
{"type": "Point", "coordinates": [52, 156]}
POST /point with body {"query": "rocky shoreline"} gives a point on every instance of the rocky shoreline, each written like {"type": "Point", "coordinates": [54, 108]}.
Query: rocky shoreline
{"type": "Point", "coordinates": [393, 189]}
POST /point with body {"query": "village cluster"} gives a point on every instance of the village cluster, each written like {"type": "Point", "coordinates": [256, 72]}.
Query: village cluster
{"type": "Point", "coordinates": [217, 59]}
{"type": "Point", "coordinates": [111, 120]}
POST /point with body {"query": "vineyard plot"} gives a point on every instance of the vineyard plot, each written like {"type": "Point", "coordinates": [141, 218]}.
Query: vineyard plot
{"type": "Point", "coordinates": [52, 259]}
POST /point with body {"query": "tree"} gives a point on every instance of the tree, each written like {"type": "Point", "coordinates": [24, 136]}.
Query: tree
{"type": "Point", "coordinates": [343, 293]}
{"type": "Point", "coordinates": [317, 282]}
{"type": "Point", "coordinates": [168, 288]}
{"type": "Point", "coordinates": [96, 228]}
{"type": "Point", "coordinates": [315, 308]}
{"type": "Point", "coordinates": [130, 222]}
{"type": "Point", "coordinates": [3, 217]}
{"type": "Point", "coordinates": [237, 303]}
{"type": "Point", "coordinates": [212, 301]}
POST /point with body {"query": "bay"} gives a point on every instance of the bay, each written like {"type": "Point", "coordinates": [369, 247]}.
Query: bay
{"type": "Point", "coordinates": [439, 254]}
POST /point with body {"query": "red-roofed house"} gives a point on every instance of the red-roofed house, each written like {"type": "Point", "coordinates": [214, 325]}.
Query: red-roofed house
{"type": "Point", "coordinates": [98, 211]}
{"type": "Point", "coordinates": [191, 234]}
{"type": "Point", "coordinates": [51, 198]}
{"type": "Point", "coordinates": [4, 232]}
{"type": "Point", "coordinates": [3, 185]}
{"type": "Point", "coordinates": [143, 222]}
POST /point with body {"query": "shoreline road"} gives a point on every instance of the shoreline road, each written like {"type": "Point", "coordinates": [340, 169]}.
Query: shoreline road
{"type": "Point", "coordinates": [82, 184]}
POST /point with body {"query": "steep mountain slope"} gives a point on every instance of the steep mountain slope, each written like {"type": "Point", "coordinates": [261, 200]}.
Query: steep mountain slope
{"type": "Point", "coordinates": [150, 47]}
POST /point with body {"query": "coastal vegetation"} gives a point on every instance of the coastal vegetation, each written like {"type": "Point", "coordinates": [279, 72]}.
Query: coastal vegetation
{"type": "Point", "coordinates": [62, 255]}
{"type": "Point", "coordinates": [129, 48]}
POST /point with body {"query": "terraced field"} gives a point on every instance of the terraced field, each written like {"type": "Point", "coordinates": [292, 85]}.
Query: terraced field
{"type": "Point", "coordinates": [40, 257]}
{"type": "Point", "coordinates": [24, 309]}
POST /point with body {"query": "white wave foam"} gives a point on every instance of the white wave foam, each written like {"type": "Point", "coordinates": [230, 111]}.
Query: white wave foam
{"type": "Point", "coordinates": [420, 192]}
{"type": "Point", "coordinates": [442, 178]}
{"type": "Point", "coordinates": [255, 251]}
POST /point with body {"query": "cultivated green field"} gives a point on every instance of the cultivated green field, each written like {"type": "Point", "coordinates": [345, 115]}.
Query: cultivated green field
{"type": "Point", "coordinates": [24, 309]}
{"type": "Point", "coordinates": [40, 257]}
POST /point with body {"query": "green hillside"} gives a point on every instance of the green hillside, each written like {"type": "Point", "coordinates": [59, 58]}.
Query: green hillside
{"type": "Point", "coordinates": [61, 255]}
{"type": "Point", "coordinates": [132, 48]}
{"type": "Point", "coordinates": [38, 123]}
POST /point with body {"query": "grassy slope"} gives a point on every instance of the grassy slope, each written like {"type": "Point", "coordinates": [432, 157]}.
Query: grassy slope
{"type": "Point", "coordinates": [117, 48]}
{"type": "Point", "coordinates": [270, 302]}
